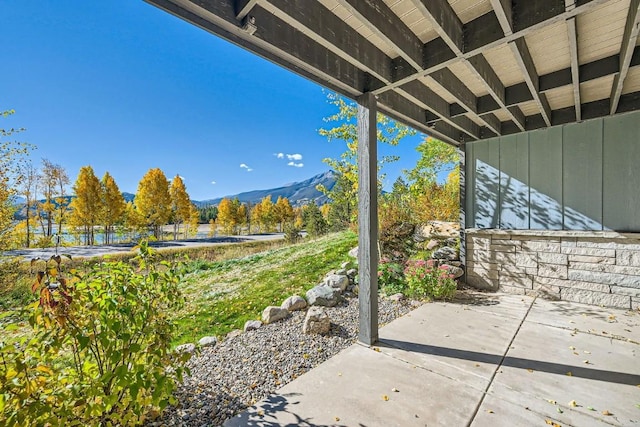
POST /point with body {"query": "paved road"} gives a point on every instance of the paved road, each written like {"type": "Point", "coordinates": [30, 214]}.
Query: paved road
{"type": "Point", "coordinates": [91, 251]}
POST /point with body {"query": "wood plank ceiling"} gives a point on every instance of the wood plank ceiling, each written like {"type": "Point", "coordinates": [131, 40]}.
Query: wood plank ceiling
{"type": "Point", "coordinates": [460, 70]}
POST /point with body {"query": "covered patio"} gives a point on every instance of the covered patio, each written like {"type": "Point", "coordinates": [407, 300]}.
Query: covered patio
{"type": "Point", "coordinates": [485, 360]}
{"type": "Point", "coordinates": [541, 98]}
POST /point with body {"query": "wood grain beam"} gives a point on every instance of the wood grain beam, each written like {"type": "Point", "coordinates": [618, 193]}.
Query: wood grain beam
{"type": "Point", "coordinates": [631, 28]}
{"type": "Point", "coordinates": [243, 7]}
{"type": "Point", "coordinates": [524, 60]}
{"type": "Point", "coordinates": [503, 11]}
{"type": "Point", "coordinates": [445, 21]}
{"type": "Point", "coordinates": [368, 218]}
{"type": "Point", "coordinates": [575, 67]}
{"type": "Point", "coordinates": [381, 20]}
{"type": "Point", "coordinates": [326, 28]}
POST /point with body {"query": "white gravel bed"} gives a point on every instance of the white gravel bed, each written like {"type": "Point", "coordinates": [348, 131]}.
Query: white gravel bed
{"type": "Point", "coordinates": [240, 371]}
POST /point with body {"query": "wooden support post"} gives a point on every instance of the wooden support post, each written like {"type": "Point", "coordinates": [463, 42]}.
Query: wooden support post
{"type": "Point", "coordinates": [368, 218]}
{"type": "Point", "coordinates": [463, 208]}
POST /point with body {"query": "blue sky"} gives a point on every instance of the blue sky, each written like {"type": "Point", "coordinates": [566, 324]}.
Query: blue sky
{"type": "Point", "coordinates": [124, 87]}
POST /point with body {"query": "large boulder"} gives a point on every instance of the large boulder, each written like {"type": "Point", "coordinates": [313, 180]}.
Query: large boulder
{"type": "Point", "coordinates": [272, 314]}
{"type": "Point", "coordinates": [446, 253]}
{"type": "Point", "coordinates": [294, 303]}
{"type": "Point", "coordinates": [455, 272]}
{"type": "Point", "coordinates": [337, 281]}
{"type": "Point", "coordinates": [252, 325]}
{"type": "Point", "coordinates": [323, 295]}
{"type": "Point", "coordinates": [208, 341]}
{"type": "Point", "coordinates": [316, 321]}
{"type": "Point", "coordinates": [439, 229]}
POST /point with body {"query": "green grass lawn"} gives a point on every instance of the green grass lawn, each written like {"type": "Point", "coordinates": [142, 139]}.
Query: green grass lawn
{"type": "Point", "coordinates": [222, 296]}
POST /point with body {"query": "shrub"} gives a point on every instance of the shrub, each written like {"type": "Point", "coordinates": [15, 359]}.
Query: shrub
{"type": "Point", "coordinates": [391, 277]}
{"type": "Point", "coordinates": [100, 349]}
{"type": "Point", "coordinates": [425, 279]}
{"type": "Point", "coordinates": [396, 229]}
{"type": "Point", "coordinates": [292, 233]}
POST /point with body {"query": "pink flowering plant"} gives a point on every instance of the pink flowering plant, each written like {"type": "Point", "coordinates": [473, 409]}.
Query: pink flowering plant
{"type": "Point", "coordinates": [425, 279]}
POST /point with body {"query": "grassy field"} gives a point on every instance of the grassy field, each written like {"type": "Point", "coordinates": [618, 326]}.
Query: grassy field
{"type": "Point", "coordinates": [222, 296]}
{"type": "Point", "coordinates": [226, 285]}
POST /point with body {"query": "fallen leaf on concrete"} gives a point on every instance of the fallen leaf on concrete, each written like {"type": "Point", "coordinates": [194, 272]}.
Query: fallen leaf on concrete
{"type": "Point", "coordinates": [591, 408]}
{"type": "Point", "coordinates": [569, 374]}
{"type": "Point", "coordinates": [376, 349]}
{"type": "Point", "coordinates": [339, 374]}
{"type": "Point", "coordinates": [530, 371]}
{"type": "Point", "coordinates": [560, 411]}
{"type": "Point", "coordinates": [586, 352]}
{"type": "Point", "coordinates": [572, 347]}
{"type": "Point", "coordinates": [576, 353]}
{"type": "Point", "coordinates": [261, 413]}
{"type": "Point", "coordinates": [586, 362]}
{"type": "Point", "coordinates": [490, 411]}
{"type": "Point", "coordinates": [553, 402]}
{"type": "Point", "coordinates": [552, 424]}
{"type": "Point", "coordinates": [573, 403]}
{"type": "Point", "coordinates": [385, 397]}
{"type": "Point", "coordinates": [395, 390]}
{"type": "Point", "coordinates": [337, 418]}
{"type": "Point", "coordinates": [607, 413]}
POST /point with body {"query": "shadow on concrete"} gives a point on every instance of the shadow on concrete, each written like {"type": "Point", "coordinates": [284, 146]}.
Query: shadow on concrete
{"type": "Point", "coordinates": [476, 299]}
{"type": "Point", "coordinates": [516, 362]}
{"type": "Point", "coordinates": [270, 410]}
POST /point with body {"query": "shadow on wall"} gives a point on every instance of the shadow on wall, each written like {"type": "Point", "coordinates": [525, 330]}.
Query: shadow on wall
{"type": "Point", "coordinates": [501, 201]}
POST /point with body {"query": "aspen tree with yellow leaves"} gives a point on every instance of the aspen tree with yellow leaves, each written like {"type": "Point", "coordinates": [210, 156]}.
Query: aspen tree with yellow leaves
{"type": "Point", "coordinates": [86, 207]}
{"type": "Point", "coordinates": [153, 201]}
{"type": "Point", "coordinates": [113, 206]}
{"type": "Point", "coordinates": [180, 205]}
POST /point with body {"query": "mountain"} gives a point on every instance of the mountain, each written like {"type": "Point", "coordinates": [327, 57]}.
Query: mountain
{"type": "Point", "coordinates": [298, 193]}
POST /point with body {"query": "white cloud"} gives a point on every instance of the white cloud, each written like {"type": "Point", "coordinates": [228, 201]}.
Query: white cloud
{"type": "Point", "coordinates": [244, 166]}
{"type": "Point", "coordinates": [249, 169]}
{"type": "Point", "coordinates": [279, 155]}
{"type": "Point", "coordinates": [296, 157]}
{"type": "Point", "coordinates": [213, 182]}
{"type": "Point", "coordinates": [295, 165]}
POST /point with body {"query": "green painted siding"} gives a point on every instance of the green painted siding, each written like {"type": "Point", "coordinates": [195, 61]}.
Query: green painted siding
{"type": "Point", "coordinates": [582, 176]}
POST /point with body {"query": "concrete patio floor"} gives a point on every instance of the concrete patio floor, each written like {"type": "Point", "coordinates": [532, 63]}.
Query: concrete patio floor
{"type": "Point", "coordinates": [486, 360]}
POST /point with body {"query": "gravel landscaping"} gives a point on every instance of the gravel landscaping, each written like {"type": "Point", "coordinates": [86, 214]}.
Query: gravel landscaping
{"type": "Point", "coordinates": [242, 370]}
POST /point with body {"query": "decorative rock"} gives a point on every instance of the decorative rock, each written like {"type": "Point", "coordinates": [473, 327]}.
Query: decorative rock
{"type": "Point", "coordinates": [294, 303]}
{"type": "Point", "coordinates": [234, 333]}
{"type": "Point", "coordinates": [352, 273]}
{"type": "Point", "coordinates": [208, 341]}
{"type": "Point", "coordinates": [353, 253]}
{"type": "Point", "coordinates": [397, 297]}
{"type": "Point", "coordinates": [252, 325]}
{"type": "Point", "coordinates": [186, 348]}
{"type": "Point", "coordinates": [345, 265]}
{"type": "Point", "coordinates": [455, 263]}
{"type": "Point", "coordinates": [451, 241]}
{"type": "Point", "coordinates": [323, 295]}
{"type": "Point", "coordinates": [446, 253]}
{"type": "Point", "coordinates": [436, 229]}
{"type": "Point", "coordinates": [432, 244]}
{"type": "Point", "coordinates": [316, 322]}
{"type": "Point", "coordinates": [337, 281]}
{"type": "Point", "coordinates": [456, 272]}
{"type": "Point", "coordinates": [341, 272]}
{"type": "Point", "coordinates": [273, 314]}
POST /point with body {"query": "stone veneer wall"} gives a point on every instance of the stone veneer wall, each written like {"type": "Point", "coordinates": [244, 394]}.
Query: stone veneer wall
{"type": "Point", "coordinates": [601, 268]}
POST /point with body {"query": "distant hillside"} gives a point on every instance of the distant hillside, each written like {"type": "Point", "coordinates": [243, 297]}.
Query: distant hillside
{"type": "Point", "coordinates": [298, 193]}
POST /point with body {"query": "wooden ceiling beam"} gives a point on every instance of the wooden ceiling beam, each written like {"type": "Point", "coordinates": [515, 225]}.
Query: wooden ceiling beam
{"type": "Point", "coordinates": [381, 20]}
{"type": "Point", "coordinates": [243, 7]}
{"type": "Point", "coordinates": [575, 67]}
{"type": "Point", "coordinates": [525, 61]}
{"type": "Point", "coordinates": [631, 28]}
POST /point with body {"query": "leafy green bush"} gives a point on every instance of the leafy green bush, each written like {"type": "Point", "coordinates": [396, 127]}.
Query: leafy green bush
{"type": "Point", "coordinates": [391, 277]}
{"type": "Point", "coordinates": [100, 351]}
{"type": "Point", "coordinates": [426, 280]}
